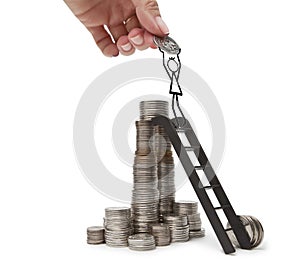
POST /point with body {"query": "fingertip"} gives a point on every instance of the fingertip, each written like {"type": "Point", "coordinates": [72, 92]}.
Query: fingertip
{"type": "Point", "coordinates": [124, 46]}
{"type": "Point", "coordinates": [110, 50]}
{"type": "Point", "coordinates": [136, 36]}
{"type": "Point", "coordinates": [162, 25]}
{"type": "Point", "coordinates": [149, 21]}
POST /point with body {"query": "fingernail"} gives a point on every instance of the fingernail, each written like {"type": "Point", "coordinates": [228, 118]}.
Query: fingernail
{"type": "Point", "coordinates": [126, 47]}
{"type": "Point", "coordinates": [137, 40]}
{"type": "Point", "coordinates": [161, 24]}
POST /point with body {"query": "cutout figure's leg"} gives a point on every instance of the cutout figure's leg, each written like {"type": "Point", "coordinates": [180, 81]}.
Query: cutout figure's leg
{"type": "Point", "coordinates": [173, 109]}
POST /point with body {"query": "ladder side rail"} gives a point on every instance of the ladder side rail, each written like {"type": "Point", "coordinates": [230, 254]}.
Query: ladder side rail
{"type": "Point", "coordinates": [196, 183]}
{"type": "Point", "coordinates": [234, 221]}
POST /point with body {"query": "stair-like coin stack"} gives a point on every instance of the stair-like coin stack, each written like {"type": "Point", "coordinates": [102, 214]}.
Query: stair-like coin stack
{"type": "Point", "coordinates": [190, 209]}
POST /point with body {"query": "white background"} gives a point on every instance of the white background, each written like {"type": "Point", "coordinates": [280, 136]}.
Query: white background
{"type": "Point", "coordinates": [247, 51]}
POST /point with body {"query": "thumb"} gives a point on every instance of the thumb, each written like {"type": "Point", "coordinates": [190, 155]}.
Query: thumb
{"type": "Point", "coordinates": [147, 12]}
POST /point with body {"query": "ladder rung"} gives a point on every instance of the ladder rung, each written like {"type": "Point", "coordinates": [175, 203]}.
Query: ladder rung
{"type": "Point", "coordinates": [222, 207]}
{"type": "Point", "coordinates": [211, 187]}
{"type": "Point", "coordinates": [199, 167]}
{"type": "Point", "coordinates": [191, 148]}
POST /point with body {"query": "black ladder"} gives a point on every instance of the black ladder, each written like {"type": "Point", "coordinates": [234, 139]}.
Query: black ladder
{"type": "Point", "coordinates": [214, 184]}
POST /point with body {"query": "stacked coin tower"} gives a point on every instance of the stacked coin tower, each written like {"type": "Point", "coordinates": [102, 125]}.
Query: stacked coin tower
{"type": "Point", "coordinates": [190, 209]}
{"type": "Point", "coordinates": [161, 145]}
{"type": "Point", "coordinates": [118, 226]}
{"type": "Point", "coordinates": [145, 195]}
{"type": "Point", "coordinates": [153, 170]}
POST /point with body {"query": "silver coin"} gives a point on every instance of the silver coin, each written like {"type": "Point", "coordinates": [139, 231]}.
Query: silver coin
{"type": "Point", "coordinates": [167, 44]}
{"type": "Point", "coordinates": [95, 242]}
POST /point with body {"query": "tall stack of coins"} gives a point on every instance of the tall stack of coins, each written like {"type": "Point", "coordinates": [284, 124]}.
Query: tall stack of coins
{"type": "Point", "coordinates": [145, 195]}
{"type": "Point", "coordinates": [153, 169]}
{"type": "Point", "coordinates": [162, 149]}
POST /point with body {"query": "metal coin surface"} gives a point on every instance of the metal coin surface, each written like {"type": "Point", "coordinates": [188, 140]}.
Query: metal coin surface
{"type": "Point", "coordinates": [167, 44]}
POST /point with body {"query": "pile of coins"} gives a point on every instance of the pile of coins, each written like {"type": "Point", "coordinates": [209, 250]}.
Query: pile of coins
{"type": "Point", "coordinates": [155, 219]}
{"type": "Point", "coordinates": [153, 194]}
{"type": "Point", "coordinates": [95, 235]}
{"type": "Point", "coordinates": [178, 226]}
{"type": "Point", "coordinates": [253, 228]}
{"type": "Point", "coordinates": [141, 242]}
{"type": "Point", "coordinates": [190, 209]}
{"type": "Point", "coordinates": [161, 233]}
{"type": "Point", "coordinates": [118, 226]}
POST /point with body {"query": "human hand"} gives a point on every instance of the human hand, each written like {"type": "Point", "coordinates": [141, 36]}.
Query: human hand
{"type": "Point", "coordinates": [131, 23]}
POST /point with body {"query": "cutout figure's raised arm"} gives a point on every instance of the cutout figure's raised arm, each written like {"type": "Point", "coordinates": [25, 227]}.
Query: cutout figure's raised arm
{"type": "Point", "coordinates": [164, 63]}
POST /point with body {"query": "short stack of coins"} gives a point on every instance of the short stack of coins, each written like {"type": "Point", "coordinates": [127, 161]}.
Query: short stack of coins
{"type": "Point", "coordinates": [141, 242]}
{"type": "Point", "coordinates": [118, 226]}
{"type": "Point", "coordinates": [190, 209]}
{"type": "Point", "coordinates": [178, 226]}
{"type": "Point", "coordinates": [161, 233]}
{"type": "Point", "coordinates": [95, 235]}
